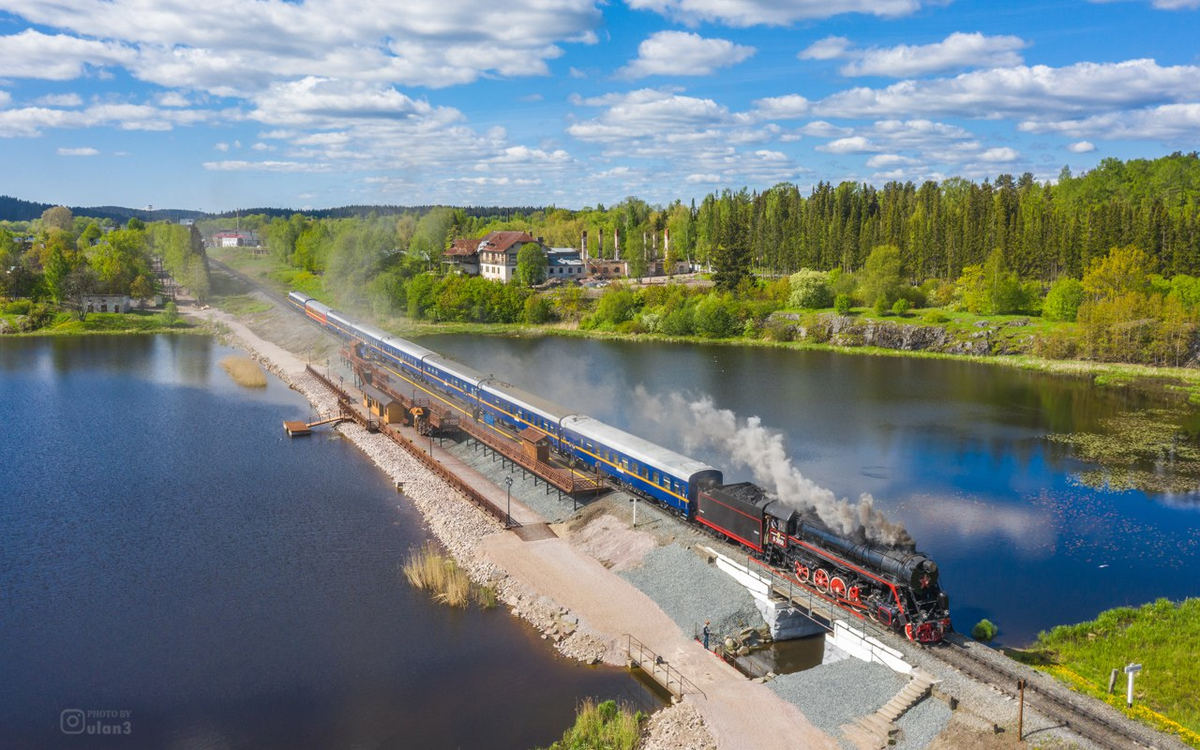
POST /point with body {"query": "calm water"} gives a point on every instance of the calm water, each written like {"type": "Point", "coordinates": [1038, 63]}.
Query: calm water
{"type": "Point", "coordinates": [953, 449]}
{"type": "Point", "coordinates": [167, 552]}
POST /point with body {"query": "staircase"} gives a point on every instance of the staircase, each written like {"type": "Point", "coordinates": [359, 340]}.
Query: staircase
{"type": "Point", "coordinates": [874, 731]}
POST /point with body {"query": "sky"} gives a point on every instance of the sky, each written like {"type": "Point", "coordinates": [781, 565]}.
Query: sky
{"type": "Point", "coordinates": [226, 104]}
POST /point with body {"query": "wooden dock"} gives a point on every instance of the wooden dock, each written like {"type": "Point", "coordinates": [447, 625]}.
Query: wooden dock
{"type": "Point", "coordinates": [296, 429]}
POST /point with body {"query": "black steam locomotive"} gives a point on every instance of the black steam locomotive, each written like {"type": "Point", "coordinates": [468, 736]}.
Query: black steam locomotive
{"type": "Point", "coordinates": [894, 586]}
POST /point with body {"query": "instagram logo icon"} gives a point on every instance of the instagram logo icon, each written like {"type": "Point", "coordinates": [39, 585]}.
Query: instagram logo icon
{"type": "Point", "coordinates": [72, 721]}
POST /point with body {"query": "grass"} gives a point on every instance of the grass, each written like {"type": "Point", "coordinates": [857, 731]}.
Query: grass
{"type": "Point", "coordinates": [243, 304]}
{"type": "Point", "coordinates": [602, 726]}
{"type": "Point", "coordinates": [1163, 636]}
{"type": "Point", "coordinates": [430, 569]}
{"type": "Point", "coordinates": [244, 371]}
{"type": "Point", "coordinates": [138, 321]}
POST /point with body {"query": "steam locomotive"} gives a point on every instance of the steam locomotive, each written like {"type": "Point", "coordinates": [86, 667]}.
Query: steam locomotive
{"type": "Point", "coordinates": [896, 587]}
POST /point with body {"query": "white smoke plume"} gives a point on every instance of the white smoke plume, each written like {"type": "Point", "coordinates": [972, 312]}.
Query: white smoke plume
{"type": "Point", "coordinates": [761, 450]}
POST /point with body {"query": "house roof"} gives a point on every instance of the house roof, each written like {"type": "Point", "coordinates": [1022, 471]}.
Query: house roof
{"type": "Point", "coordinates": [463, 248]}
{"type": "Point", "coordinates": [500, 242]}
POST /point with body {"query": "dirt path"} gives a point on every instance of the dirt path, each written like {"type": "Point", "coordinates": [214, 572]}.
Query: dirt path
{"type": "Point", "coordinates": [740, 713]}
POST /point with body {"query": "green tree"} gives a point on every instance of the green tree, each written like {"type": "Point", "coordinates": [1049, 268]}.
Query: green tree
{"type": "Point", "coordinates": [1123, 270]}
{"type": "Point", "coordinates": [538, 309]}
{"type": "Point", "coordinates": [1063, 299]}
{"type": "Point", "coordinates": [810, 289]}
{"type": "Point", "coordinates": [880, 277]}
{"type": "Point", "coordinates": [841, 304]}
{"type": "Point", "coordinates": [55, 272]}
{"type": "Point", "coordinates": [142, 289]}
{"type": "Point", "coordinates": [531, 264]}
{"type": "Point", "coordinates": [716, 317]}
{"type": "Point", "coordinates": [89, 236]}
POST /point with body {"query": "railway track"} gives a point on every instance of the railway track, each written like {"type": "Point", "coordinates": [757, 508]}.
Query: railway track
{"type": "Point", "coordinates": [1052, 700]}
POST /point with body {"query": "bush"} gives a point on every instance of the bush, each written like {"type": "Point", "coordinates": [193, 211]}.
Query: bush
{"type": "Point", "coordinates": [779, 329]}
{"type": "Point", "coordinates": [1063, 299]}
{"type": "Point", "coordinates": [984, 630]}
{"type": "Point", "coordinates": [715, 318]}
{"type": "Point", "coordinates": [901, 307]}
{"type": "Point", "coordinates": [936, 317]}
{"type": "Point", "coordinates": [18, 307]}
{"type": "Point", "coordinates": [171, 313]}
{"type": "Point", "coordinates": [880, 307]}
{"type": "Point", "coordinates": [841, 304]}
{"type": "Point", "coordinates": [810, 289]}
{"type": "Point", "coordinates": [538, 310]}
{"type": "Point", "coordinates": [678, 322]}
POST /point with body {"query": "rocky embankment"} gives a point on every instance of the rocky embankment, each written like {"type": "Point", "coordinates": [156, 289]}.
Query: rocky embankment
{"type": "Point", "coordinates": [460, 526]}
{"type": "Point", "coordinates": [987, 338]}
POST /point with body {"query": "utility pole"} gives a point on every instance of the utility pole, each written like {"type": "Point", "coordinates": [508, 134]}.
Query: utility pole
{"type": "Point", "coordinates": [1021, 712]}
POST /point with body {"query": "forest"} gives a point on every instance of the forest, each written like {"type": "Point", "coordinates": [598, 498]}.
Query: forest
{"type": "Point", "coordinates": [1113, 255]}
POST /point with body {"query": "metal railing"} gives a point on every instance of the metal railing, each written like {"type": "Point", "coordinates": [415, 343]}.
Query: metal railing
{"type": "Point", "coordinates": [641, 656]}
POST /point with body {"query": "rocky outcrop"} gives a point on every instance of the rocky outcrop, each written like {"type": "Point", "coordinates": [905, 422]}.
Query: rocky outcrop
{"type": "Point", "coordinates": [845, 330]}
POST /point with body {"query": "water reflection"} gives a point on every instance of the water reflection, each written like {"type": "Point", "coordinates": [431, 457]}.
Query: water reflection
{"type": "Point", "coordinates": [168, 552]}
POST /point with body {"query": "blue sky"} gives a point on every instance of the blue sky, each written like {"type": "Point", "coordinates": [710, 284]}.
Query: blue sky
{"type": "Point", "coordinates": [316, 103]}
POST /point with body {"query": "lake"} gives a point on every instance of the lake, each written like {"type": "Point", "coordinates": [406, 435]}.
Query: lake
{"type": "Point", "coordinates": [955, 450]}
{"type": "Point", "coordinates": [169, 553]}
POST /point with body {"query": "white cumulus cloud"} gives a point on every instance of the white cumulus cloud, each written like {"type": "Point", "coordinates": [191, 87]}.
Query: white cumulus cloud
{"type": "Point", "coordinates": [83, 151]}
{"type": "Point", "coordinates": [1082, 147]}
{"type": "Point", "coordinates": [955, 52]}
{"type": "Point", "coordinates": [683, 53]}
{"type": "Point", "coordinates": [1039, 90]}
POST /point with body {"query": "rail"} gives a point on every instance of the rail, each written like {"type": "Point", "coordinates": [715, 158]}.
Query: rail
{"type": "Point", "coordinates": [659, 669]}
{"type": "Point", "coordinates": [426, 460]}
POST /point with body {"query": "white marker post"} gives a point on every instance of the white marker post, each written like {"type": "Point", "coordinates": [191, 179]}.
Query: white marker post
{"type": "Point", "coordinates": [1131, 670]}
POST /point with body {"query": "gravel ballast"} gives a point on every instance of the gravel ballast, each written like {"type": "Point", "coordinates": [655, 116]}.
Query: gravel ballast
{"type": "Point", "coordinates": [691, 591]}
{"type": "Point", "coordinates": [831, 695]}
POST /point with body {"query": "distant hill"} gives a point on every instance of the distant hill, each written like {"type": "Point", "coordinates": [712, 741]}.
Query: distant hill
{"type": "Point", "coordinates": [15, 209]}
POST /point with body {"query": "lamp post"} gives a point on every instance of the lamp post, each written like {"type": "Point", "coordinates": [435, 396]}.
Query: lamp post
{"type": "Point", "coordinates": [508, 509]}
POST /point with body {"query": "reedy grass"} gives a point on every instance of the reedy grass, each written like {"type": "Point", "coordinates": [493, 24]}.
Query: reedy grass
{"type": "Point", "coordinates": [602, 726]}
{"type": "Point", "coordinates": [244, 371]}
{"type": "Point", "coordinates": [430, 569]}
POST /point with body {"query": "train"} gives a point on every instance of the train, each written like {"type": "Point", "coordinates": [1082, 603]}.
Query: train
{"type": "Point", "coordinates": [894, 586]}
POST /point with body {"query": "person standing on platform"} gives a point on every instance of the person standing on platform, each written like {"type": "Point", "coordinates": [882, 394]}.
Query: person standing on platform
{"type": "Point", "coordinates": [707, 632]}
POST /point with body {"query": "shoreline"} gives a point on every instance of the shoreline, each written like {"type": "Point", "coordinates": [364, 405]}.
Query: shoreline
{"type": "Point", "coordinates": [1102, 374]}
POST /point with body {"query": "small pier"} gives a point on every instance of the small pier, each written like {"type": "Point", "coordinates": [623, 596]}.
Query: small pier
{"type": "Point", "coordinates": [296, 429]}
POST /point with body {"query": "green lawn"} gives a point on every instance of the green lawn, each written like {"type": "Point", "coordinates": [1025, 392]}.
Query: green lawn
{"type": "Point", "coordinates": [1164, 637]}
{"type": "Point", "coordinates": [138, 321]}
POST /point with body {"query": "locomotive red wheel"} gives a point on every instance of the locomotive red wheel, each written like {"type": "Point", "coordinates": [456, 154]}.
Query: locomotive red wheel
{"type": "Point", "coordinates": [853, 594]}
{"type": "Point", "coordinates": [802, 572]}
{"type": "Point", "coordinates": [821, 580]}
{"type": "Point", "coordinates": [837, 587]}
